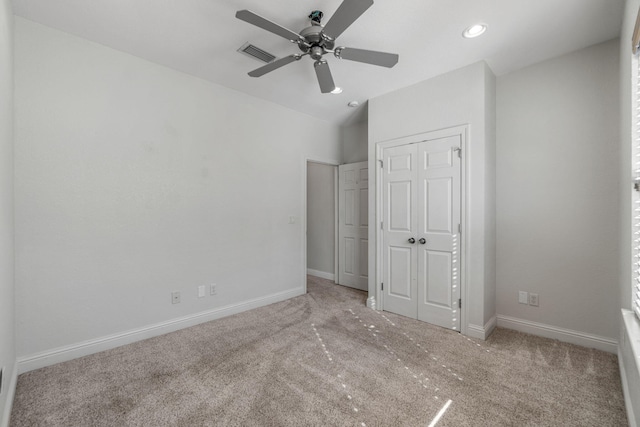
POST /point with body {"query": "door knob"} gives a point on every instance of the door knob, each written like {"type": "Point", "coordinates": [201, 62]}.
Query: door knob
{"type": "Point", "coordinates": [422, 241]}
{"type": "Point", "coordinates": [412, 240]}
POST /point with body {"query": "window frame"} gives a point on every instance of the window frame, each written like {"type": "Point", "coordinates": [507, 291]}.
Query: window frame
{"type": "Point", "coordinates": [635, 167]}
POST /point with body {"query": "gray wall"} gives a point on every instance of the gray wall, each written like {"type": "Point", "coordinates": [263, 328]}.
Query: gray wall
{"type": "Point", "coordinates": [7, 342]}
{"type": "Point", "coordinates": [355, 140]}
{"type": "Point", "coordinates": [134, 180]}
{"type": "Point", "coordinates": [460, 97]}
{"type": "Point", "coordinates": [321, 218]}
{"type": "Point", "coordinates": [557, 192]}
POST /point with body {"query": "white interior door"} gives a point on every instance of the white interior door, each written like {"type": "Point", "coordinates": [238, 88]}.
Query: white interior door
{"type": "Point", "coordinates": [438, 232]}
{"type": "Point", "coordinates": [421, 241]}
{"type": "Point", "coordinates": [399, 227]}
{"type": "Point", "coordinates": [353, 218]}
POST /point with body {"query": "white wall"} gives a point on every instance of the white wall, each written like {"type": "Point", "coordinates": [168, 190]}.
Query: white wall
{"type": "Point", "coordinates": [557, 191]}
{"type": "Point", "coordinates": [134, 180]}
{"type": "Point", "coordinates": [490, 159]}
{"type": "Point", "coordinates": [355, 140]}
{"type": "Point", "coordinates": [7, 340]}
{"type": "Point", "coordinates": [630, 325]}
{"type": "Point", "coordinates": [460, 97]}
{"type": "Point", "coordinates": [321, 212]}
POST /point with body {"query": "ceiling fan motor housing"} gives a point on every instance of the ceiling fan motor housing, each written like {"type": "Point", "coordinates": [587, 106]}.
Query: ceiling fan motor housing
{"type": "Point", "coordinates": [317, 44]}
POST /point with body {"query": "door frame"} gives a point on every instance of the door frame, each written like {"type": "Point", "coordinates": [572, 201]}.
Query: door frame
{"type": "Point", "coordinates": [376, 300]}
{"type": "Point", "coordinates": [329, 162]}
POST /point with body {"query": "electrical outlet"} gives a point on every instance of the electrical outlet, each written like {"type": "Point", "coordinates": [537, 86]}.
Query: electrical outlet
{"type": "Point", "coordinates": [175, 297]}
{"type": "Point", "coordinates": [523, 297]}
{"type": "Point", "coordinates": [533, 299]}
{"type": "Point", "coordinates": [201, 291]}
{"type": "Point", "coordinates": [212, 289]}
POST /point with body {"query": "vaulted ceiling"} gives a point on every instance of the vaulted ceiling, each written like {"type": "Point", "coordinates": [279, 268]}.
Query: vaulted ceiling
{"type": "Point", "coordinates": [201, 38]}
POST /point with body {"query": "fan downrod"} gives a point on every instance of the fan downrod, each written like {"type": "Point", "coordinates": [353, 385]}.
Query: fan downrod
{"type": "Point", "coordinates": [316, 17]}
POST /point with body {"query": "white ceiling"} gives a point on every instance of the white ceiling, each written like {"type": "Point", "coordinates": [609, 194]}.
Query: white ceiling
{"type": "Point", "coordinates": [200, 37]}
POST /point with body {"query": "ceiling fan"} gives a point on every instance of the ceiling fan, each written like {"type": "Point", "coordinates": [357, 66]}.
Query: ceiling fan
{"type": "Point", "coordinates": [317, 40]}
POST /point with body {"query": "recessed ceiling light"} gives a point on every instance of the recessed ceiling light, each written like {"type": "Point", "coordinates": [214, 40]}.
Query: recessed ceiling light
{"type": "Point", "coordinates": [474, 31]}
{"type": "Point", "coordinates": [337, 90]}
{"type": "Point", "coordinates": [353, 104]}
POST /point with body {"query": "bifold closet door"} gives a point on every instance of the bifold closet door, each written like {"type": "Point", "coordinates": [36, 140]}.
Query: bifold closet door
{"type": "Point", "coordinates": [421, 221]}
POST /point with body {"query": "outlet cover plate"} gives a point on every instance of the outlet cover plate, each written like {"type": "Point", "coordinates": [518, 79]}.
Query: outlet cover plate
{"type": "Point", "coordinates": [212, 289]}
{"type": "Point", "coordinates": [175, 297]}
{"type": "Point", "coordinates": [523, 297]}
{"type": "Point", "coordinates": [533, 300]}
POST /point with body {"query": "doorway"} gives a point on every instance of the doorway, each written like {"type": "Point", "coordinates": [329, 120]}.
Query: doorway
{"type": "Point", "coordinates": [321, 211]}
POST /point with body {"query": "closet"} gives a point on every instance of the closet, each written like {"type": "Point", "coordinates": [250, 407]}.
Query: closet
{"type": "Point", "coordinates": [421, 230]}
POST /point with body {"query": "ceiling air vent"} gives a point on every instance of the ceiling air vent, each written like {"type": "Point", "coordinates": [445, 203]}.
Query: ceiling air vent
{"type": "Point", "coordinates": [256, 53]}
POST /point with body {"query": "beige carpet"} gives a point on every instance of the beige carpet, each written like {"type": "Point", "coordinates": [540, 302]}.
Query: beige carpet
{"type": "Point", "coordinates": [324, 359]}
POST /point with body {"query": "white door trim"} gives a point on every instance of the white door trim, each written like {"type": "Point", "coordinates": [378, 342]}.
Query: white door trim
{"type": "Point", "coordinates": [376, 301]}
{"type": "Point", "coordinates": [336, 213]}
{"type": "Point", "coordinates": [303, 220]}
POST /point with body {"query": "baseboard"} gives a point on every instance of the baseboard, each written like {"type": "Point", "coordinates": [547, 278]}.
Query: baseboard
{"type": "Point", "coordinates": [321, 274]}
{"type": "Point", "coordinates": [63, 354]}
{"type": "Point", "coordinates": [11, 392]}
{"type": "Point", "coordinates": [482, 332]}
{"type": "Point", "coordinates": [629, 361]}
{"type": "Point", "coordinates": [561, 334]}
{"type": "Point", "coordinates": [371, 302]}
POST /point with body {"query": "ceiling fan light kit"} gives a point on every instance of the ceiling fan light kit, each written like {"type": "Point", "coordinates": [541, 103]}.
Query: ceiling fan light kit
{"type": "Point", "coordinates": [318, 40]}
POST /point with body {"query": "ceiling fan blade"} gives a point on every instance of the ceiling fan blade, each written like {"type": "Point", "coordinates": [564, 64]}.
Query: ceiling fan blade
{"type": "Point", "coordinates": [324, 76]}
{"type": "Point", "coordinates": [265, 24]}
{"type": "Point", "coordinates": [274, 65]}
{"type": "Point", "coordinates": [382, 59]}
{"type": "Point", "coordinates": [347, 13]}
